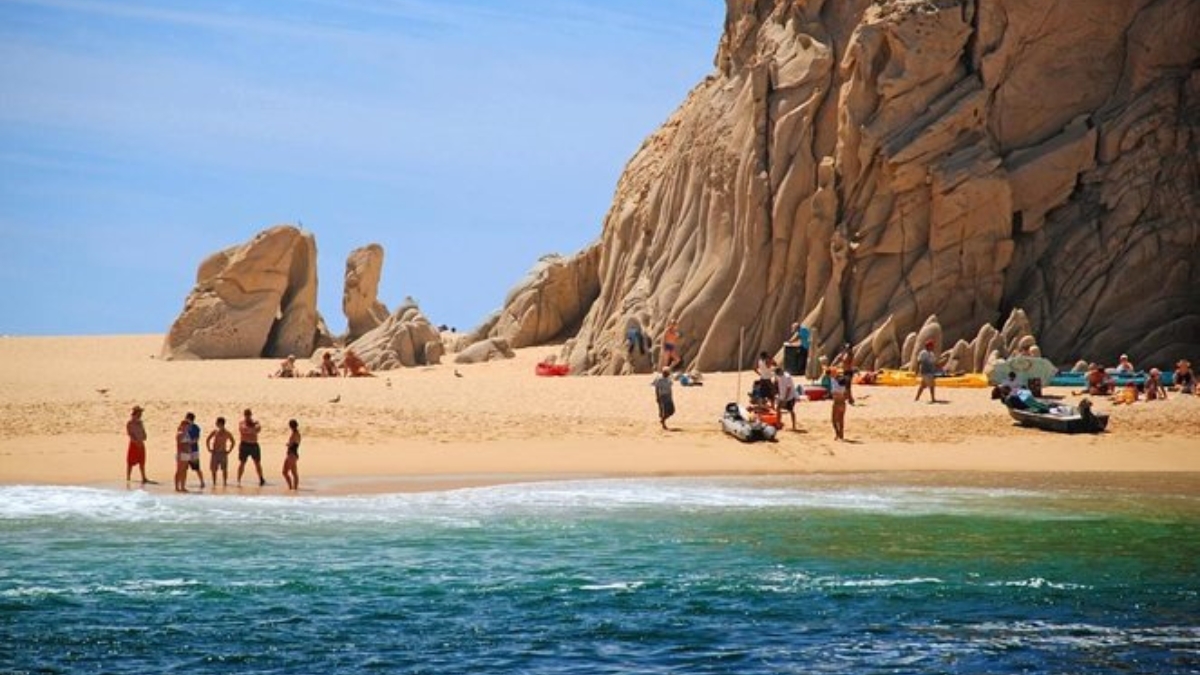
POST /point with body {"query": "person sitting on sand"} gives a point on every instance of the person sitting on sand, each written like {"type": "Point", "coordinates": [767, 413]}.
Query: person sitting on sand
{"type": "Point", "coordinates": [328, 367]}
{"type": "Point", "coordinates": [1127, 395]}
{"type": "Point", "coordinates": [1185, 379]}
{"type": "Point", "coordinates": [1155, 391]}
{"type": "Point", "coordinates": [353, 366]}
{"type": "Point", "coordinates": [287, 367]}
{"type": "Point", "coordinates": [1098, 382]}
{"type": "Point", "coordinates": [1124, 365]}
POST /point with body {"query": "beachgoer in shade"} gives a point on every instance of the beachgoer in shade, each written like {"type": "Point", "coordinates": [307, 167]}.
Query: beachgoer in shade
{"type": "Point", "coordinates": [1185, 379]}
{"type": "Point", "coordinates": [799, 339]}
{"type": "Point", "coordinates": [634, 337]}
{"type": "Point", "coordinates": [194, 442]}
{"type": "Point", "coordinates": [353, 366]}
{"type": "Point", "coordinates": [1155, 391]}
{"type": "Point", "coordinates": [291, 472]}
{"type": "Point", "coordinates": [220, 444]}
{"type": "Point", "coordinates": [248, 448]}
{"type": "Point", "coordinates": [1124, 365]}
{"type": "Point", "coordinates": [183, 455]}
{"type": "Point", "coordinates": [837, 390]}
{"type": "Point", "coordinates": [785, 397]}
{"type": "Point", "coordinates": [927, 370]}
{"type": "Point", "coordinates": [662, 394]}
{"type": "Point", "coordinates": [670, 345]}
{"type": "Point", "coordinates": [135, 455]}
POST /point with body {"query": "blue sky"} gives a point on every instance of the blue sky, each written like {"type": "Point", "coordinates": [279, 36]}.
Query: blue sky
{"type": "Point", "coordinates": [467, 137]}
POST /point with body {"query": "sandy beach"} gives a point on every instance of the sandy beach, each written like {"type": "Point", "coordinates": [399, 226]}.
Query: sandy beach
{"type": "Point", "coordinates": [65, 401]}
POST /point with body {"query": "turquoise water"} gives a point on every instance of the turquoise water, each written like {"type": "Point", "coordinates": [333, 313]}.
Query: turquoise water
{"type": "Point", "coordinates": [779, 575]}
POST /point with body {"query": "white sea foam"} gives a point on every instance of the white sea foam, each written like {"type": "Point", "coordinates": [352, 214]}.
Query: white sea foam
{"type": "Point", "coordinates": [472, 506]}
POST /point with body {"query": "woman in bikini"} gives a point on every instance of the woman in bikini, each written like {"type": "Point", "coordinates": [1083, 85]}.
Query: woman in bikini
{"type": "Point", "coordinates": [291, 472]}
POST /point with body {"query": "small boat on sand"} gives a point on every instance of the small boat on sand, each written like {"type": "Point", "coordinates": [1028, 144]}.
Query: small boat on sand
{"type": "Point", "coordinates": [1064, 419]}
{"type": "Point", "coordinates": [737, 423]}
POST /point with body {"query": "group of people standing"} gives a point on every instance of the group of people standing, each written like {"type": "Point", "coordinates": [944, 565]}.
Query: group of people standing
{"type": "Point", "coordinates": [219, 443]}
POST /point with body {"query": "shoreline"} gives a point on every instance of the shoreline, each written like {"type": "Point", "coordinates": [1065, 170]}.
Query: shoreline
{"type": "Point", "coordinates": [64, 402]}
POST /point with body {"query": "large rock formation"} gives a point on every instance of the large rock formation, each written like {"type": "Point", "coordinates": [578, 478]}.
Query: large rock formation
{"type": "Point", "coordinates": [549, 303]}
{"type": "Point", "coordinates": [404, 339]}
{"type": "Point", "coordinates": [857, 161]}
{"type": "Point", "coordinates": [360, 293]}
{"type": "Point", "coordinates": [254, 300]}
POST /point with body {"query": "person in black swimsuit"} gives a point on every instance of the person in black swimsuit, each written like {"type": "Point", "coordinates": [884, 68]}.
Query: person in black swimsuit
{"type": "Point", "coordinates": [290, 471]}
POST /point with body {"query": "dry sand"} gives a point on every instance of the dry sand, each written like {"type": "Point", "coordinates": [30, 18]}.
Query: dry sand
{"type": "Point", "coordinates": [65, 402]}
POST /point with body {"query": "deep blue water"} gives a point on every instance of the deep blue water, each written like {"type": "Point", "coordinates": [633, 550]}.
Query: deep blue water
{"type": "Point", "coordinates": [781, 575]}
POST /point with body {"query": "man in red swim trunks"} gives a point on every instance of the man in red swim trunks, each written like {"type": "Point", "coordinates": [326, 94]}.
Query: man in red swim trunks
{"type": "Point", "coordinates": [136, 454]}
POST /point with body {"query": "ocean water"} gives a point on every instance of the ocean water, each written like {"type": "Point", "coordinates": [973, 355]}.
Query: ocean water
{"type": "Point", "coordinates": [763, 575]}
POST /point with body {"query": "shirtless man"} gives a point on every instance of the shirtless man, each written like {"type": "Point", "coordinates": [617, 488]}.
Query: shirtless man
{"type": "Point", "coordinates": [248, 429]}
{"type": "Point", "coordinates": [136, 454]}
{"type": "Point", "coordinates": [219, 443]}
{"type": "Point", "coordinates": [670, 346]}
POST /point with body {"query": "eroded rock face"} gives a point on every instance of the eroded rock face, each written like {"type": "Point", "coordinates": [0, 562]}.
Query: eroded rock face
{"type": "Point", "coordinates": [549, 302]}
{"type": "Point", "coordinates": [360, 302]}
{"type": "Point", "coordinates": [404, 340]}
{"type": "Point", "coordinates": [872, 160]}
{"type": "Point", "coordinates": [258, 299]}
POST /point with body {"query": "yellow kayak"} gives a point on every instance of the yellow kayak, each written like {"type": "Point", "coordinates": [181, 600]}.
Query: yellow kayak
{"type": "Point", "coordinates": [905, 378]}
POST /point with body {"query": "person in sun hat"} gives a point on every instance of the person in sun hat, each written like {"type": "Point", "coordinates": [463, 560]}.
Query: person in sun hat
{"type": "Point", "coordinates": [135, 455]}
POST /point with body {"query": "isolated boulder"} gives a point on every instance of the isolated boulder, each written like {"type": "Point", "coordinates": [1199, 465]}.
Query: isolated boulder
{"type": "Point", "coordinates": [403, 340]}
{"type": "Point", "coordinates": [257, 299]}
{"type": "Point", "coordinates": [550, 302]}
{"type": "Point", "coordinates": [360, 293]}
{"type": "Point", "coordinates": [491, 349]}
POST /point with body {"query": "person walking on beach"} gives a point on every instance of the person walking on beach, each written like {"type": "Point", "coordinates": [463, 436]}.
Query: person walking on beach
{"type": "Point", "coordinates": [837, 390]}
{"type": "Point", "coordinates": [183, 455]}
{"type": "Point", "coordinates": [219, 443]}
{"type": "Point", "coordinates": [662, 394]}
{"type": "Point", "coordinates": [135, 455]}
{"type": "Point", "coordinates": [927, 369]}
{"type": "Point", "coordinates": [291, 472]}
{"type": "Point", "coordinates": [194, 442]}
{"type": "Point", "coordinates": [785, 401]}
{"type": "Point", "coordinates": [248, 448]}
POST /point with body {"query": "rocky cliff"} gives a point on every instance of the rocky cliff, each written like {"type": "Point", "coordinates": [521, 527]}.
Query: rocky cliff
{"type": "Point", "coordinates": [257, 299]}
{"type": "Point", "coordinates": [862, 162]}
